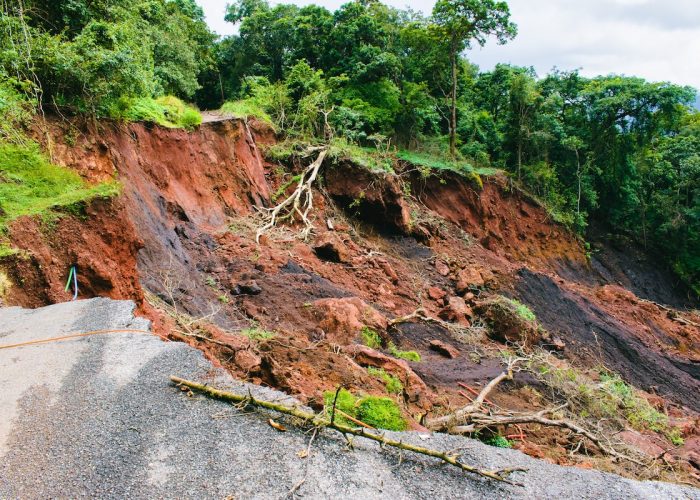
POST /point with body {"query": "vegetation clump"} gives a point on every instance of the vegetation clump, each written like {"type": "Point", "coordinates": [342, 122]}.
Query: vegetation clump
{"type": "Point", "coordinates": [257, 334]}
{"type": "Point", "coordinates": [405, 355]}
{"type": "Point", "coordinates": [379, 412]}
{"type": "Point", "coordinates": [167, 111]}
{"type": "Point", "coordinates": [31, 185]}
{"type": "Point", "coordinates": [371, 338]}
{"type": "Point", "coordinates": [393, 384]}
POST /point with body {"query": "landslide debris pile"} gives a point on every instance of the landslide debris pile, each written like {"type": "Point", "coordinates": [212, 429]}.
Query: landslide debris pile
{"type": "Point", "coordinates": [413, 288]}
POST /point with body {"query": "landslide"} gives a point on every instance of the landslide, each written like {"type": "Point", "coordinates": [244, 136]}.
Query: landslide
{"type": "Point", "coordinates": [180, 240]}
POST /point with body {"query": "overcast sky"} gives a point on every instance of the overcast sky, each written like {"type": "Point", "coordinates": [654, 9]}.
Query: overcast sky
{"type": "Point", "coordinates": [656, 39]}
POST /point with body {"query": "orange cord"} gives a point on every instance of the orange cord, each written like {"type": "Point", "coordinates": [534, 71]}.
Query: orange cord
{"type": "Point", "coordinates": [72, 336]}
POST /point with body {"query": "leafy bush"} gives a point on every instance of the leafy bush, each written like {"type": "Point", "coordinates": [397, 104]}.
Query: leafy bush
{"type": "Point", "coordinates": [31, 185]}
{"type": "Point", "coordinates": [167, 111]}
{"type": "Point", "coordinates": [245, 109]}
{"type": "Point", "coordinates": [496, 440]}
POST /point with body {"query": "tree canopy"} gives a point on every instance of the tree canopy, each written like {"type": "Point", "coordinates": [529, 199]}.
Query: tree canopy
{"type": "Point", "coordinates": [619, 152]}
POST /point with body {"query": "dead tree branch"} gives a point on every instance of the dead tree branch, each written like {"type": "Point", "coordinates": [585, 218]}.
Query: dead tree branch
{"type": "Point", "coordinates": [501, 475]}
{"type": "Point", "coordinates": [300, 202]}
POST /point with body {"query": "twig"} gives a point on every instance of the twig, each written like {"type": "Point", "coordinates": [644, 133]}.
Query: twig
{"type": "Point", "coordinates": [501, 475]}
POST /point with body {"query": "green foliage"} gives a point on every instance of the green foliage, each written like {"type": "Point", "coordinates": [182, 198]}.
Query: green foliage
{"type": "Point", "coordinates": [31, 185]}
{"type": "Point", "coordinates": [393, 384]}
{"type": "Point", "coordinates": [523, 311]}
{"type": "Point", "coordinates": [496, 440]}
{"type": "Point", "coordinates": [167, 111]}
{"type": "Point", "coordinates": [405, 355]}
{"type": "Point", "coordinates": [371, 338]}
{"type": "Point", "coordinates": [382, 413]}
{"type": "Point", "coordinates": [246, 109]}
{"type": "Point", "coordinates": [258, 334]}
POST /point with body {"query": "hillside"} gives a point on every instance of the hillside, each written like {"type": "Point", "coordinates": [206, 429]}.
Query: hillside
{"type": "Point", "coordinates": [492, 276]}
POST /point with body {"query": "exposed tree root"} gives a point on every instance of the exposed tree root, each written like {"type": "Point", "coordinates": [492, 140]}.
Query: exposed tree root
{"type": "Point", "coordinates": [319, 421]}
{"type": "Point", "coordinates": [475, 417]}
{"type": "Point", "coordinates": [300, 202]}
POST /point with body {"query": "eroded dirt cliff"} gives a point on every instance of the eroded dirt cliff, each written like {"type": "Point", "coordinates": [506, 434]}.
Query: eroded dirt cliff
{"type": "Point", "coordinates": [180, 240]}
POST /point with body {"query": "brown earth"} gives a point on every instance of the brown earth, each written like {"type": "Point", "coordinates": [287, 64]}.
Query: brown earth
{"type": "Point", "coordinates": [183, 231]}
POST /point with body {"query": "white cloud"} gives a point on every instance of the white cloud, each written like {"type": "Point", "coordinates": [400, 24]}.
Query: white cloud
{"type": "Point", "coordinates": [655, 39]}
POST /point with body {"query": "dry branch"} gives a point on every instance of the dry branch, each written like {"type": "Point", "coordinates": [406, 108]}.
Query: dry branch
{"type": "Point", "coordinates": [319, 421]}
{"type": "Point", "coordinates": [300, 202]}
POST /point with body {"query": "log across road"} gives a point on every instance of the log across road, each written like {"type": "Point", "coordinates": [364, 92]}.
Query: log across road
{"type": "Point", "coordinates": [97, 416]}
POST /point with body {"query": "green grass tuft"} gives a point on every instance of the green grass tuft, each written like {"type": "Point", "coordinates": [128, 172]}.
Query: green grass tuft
{"type": "Point", "coordinates": [257, 333]}
{"type": "Point", "coordinates": [392, 383]}
{"type": "Point", "coordinates": [405, 355]}
{"type": "Point", "coordinates": [371, 338]}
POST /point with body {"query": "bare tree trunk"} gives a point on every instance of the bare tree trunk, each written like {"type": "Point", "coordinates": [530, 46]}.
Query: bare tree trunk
{"type": "Point", "coordinates": [453, 116]}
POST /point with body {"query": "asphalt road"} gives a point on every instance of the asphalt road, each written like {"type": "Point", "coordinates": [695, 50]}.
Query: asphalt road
{"type": "Point", "coordinates": [97, 417]}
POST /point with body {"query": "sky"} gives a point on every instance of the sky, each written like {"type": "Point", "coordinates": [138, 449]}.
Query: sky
{"type": "Point", "coordinates": [655, 39]}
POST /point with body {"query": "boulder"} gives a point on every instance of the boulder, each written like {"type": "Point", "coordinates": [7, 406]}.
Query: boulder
{"type": "Point", "coordinates": [330, 247]}
{"type": "Point", "coordinates": [456, 311]}
{"type": "Point", "coordinates": [436, 294]}
{"type": "Point", "coordinates": [467, 278]}
{"type": "Point", "coordinates": [343, 319]}
{"type": "Point", "coordinates": [508, 323]}
{"type": "Point", "coordinates": [444, 349]}
{"type": "Point", "coordinates": [249, 287]}
{"type": "Point", "coordinates": [442, 268]}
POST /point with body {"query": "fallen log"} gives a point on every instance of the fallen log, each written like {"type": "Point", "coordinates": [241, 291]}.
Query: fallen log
{"type": "Point", "coordinates": [319, 421]}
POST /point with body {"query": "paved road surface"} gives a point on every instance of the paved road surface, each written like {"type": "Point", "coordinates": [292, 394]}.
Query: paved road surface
{"type": "Point", "coordinates": [97, 417]}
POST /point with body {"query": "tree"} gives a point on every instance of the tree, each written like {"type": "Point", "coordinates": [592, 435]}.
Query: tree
{"type": "Point", "coordinates": [462, 22]}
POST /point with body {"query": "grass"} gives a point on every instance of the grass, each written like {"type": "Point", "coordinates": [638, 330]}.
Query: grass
{"type": "Point", "coordinates": [523, 311]}
{"type": "Point", "coordinates": [245, 109]}
{"type": "Point", "coordinates": [371, 338]}
{"type": "Point", "coordinates": [379, 412]}
{"type": "Point", "coordinates": [405, 355]}
{"type": "Point", "coordinates": [166, 111]}
{"type": "Point", "coordinates": [369, 158]}
{"type": "Point", "coordinates": [257, 334]}
{"type": "Point", "coordinates": [392, 383]}
{"type": "Point", "coordinates": [30, 185]}
{"type": "Point", "coordinates": [440, 163]}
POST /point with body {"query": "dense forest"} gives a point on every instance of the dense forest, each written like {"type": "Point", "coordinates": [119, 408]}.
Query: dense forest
{"type": "Point", "coordinates": [614, 152]}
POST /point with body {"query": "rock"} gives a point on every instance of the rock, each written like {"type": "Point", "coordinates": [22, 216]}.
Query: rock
{"type": "Point", "coordinates": [651, 446]}
{"type": "Point", "coordinates": [469, 296]}
{"type": "Point", "coordinates": [557, 344]}
{"type": "Point", "coordinates": [437, 294]}
{"type": "Point", "coordinates": [507, 323]}
{"type": "Point", "coordinates": [249, 287]}
{"type": "Point", "coordinates": [467, 278]}
{"type": "Point", "coordinates": [344, 318]}
{"type": "Point", "coordinates": [442, 268]}
{"type": "Point", "coordinates": [247, 361]}
{"type": "Point", "coordinates": [330, 247]}
{"type": "Point", "coordinates": [456, 311]}
{"type": "Point", "coordinates": [388, 270]}
{"type": "Point", "coordinates": [444, 349]}
{"type": "Point", "coordinates": [414, 387]}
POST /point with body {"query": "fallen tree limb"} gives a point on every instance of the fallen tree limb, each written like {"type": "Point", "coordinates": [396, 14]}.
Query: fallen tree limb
{"type": "Point", "coordinates": [300, 202]}
{"type": "Point", "coordinates": [501, 475]}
